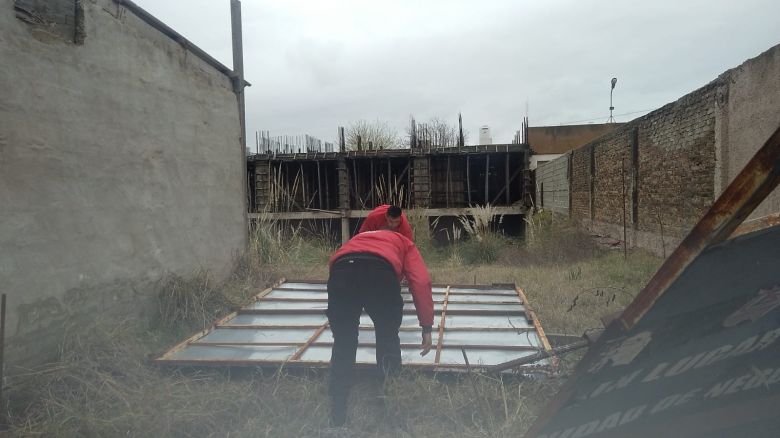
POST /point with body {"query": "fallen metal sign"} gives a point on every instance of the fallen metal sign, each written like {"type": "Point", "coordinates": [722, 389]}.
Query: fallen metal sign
{"type": "Point", "coordinates": [286, 326]}
{"type": "Point", "coordinates": [705, 360]}
{"type": "Point", "coordinates": [697, 353]}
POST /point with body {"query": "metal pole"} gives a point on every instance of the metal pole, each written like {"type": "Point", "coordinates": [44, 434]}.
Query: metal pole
{"type": "Point", "coordinates": [3, 410]}
{"type": "Point", "coordinates": [238, 65]}
{"type": "Point", "coordinates": [612, 88]}
{"type": "Point", "coordinates": [238, 88]}
{"type": "Point", "coordinates": [563, 349]}
{"type": "Point", "coordinates": [610, 104]}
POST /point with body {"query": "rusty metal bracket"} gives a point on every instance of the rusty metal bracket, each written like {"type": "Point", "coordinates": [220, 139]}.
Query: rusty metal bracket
{"type": "Point", "coordinates": [759, 177]}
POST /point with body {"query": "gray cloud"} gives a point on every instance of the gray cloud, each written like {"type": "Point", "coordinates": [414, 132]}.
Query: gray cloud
{"type": "Point", "coordinates": [316, 65]}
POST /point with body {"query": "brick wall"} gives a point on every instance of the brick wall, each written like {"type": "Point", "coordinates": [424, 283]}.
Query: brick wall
{"type": "Point", "coordinates": [608, 191]}
{"type": "Point", "coordinates": [677, 162]}
{"type": "Point", "coordinates": [579, 180]}
{"type": "Point", "coordinates": [667, 167]}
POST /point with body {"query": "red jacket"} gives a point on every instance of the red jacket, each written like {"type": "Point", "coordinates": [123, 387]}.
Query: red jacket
{"type": "Point", "coordinates": [376, 221]}
{"type": "Point", "coordinates": [405, 259]}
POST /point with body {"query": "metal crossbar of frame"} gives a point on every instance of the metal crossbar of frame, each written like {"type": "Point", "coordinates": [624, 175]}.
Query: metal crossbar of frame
{"type": "Point", "coordinates": [286, 326]}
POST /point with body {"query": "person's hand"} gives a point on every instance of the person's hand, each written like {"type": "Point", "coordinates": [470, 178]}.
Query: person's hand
{"type": "Point", "coordinates": [427, 343]}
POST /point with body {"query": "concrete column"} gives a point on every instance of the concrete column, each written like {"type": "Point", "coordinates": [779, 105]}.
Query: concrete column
{"type": "Point", "coordinates": [343, 179]}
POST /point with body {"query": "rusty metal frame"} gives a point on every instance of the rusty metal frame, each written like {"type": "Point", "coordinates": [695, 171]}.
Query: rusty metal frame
{"type": "Point", "coordinates": [756, 180]}
{"type": "Point", "coordinates": [309, 342]}
{"type": "Point", "coordinates": [440, 338]}
{"type": "Point", "coordinates": [535, 369]}
{"type": "Point", "coordinates": [531, 315]}
{"type": "Point", "coordinates": [405, 312]}
{"type": "Point", "coordinates": [407, 301]}
{"type": "Point", "coordinates": [754, 225]}
{"type": "Point", "coordinates": [510, 293]}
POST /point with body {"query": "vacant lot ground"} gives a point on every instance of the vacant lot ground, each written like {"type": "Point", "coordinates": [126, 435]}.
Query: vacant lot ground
{"type": "Point", "coordinates": [101, 383]}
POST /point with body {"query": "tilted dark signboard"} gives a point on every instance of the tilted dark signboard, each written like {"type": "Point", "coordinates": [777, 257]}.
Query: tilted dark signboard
{"type": "Point", "coordinates": [703, 361]}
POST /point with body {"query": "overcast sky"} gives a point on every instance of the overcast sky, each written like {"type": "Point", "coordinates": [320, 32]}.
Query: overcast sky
{"type": "Point", "coordinates": [315, 65]}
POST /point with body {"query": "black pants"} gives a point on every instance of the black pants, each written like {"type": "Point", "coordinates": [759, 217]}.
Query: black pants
{"type": "Point", "coordinates": [360, 282]}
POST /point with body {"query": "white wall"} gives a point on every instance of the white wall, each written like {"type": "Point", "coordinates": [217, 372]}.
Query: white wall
{"type": "Point", "coordinates": [751, 114]}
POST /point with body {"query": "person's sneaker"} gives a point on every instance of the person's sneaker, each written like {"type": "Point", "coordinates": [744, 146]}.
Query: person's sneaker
{"type": "Point", "coordinates": [338, 411]}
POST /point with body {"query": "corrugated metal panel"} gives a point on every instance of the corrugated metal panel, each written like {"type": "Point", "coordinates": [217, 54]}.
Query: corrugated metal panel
{"type": "Point", "coordinates": [286, 325]}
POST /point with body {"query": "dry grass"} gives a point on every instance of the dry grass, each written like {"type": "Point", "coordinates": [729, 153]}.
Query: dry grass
{"type": "Point", "coordinates": [103, 385]}
{"type": "Point", "coordinates": [192, 301]}
{"type": "Point", "coordinates": [569, 298]}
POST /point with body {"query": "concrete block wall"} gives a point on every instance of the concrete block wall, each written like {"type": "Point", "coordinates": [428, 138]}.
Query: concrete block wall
{"type": "Point", "coordinates": [667, 167]}
{"type": "Point", "coordinates": [120, 160]}
{"type": "Point", "coordinates": [552, 185]}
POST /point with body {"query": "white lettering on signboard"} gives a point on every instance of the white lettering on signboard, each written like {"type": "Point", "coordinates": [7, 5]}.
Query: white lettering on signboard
{"type": "Point", "coordinates": [764, 379]}
{"type": "Point", "coordinates": [612, 421]}
{"type": "Point", "coordinates": [698, 360]}
{"type": "Point", "coordinates": [622, 351]}
{"type": "Point", "coordinates": [765, 301]}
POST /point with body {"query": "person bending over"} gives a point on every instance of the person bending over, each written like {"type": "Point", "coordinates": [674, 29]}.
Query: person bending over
{"type": "Point", "coordinates": [365, 274]}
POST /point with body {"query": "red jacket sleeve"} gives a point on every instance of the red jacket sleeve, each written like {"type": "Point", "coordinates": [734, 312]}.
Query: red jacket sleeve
{"type": "Point", "coordinates": [405, 229]}
{"type": "Point", "coordinates": [419, 284]}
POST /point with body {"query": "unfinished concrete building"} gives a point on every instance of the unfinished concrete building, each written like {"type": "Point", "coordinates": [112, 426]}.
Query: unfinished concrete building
{"type": "Point", "coordinates": [346, 185]}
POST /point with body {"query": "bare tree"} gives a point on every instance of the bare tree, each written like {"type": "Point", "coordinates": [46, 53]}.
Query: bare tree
{"type": "Point", "coordinates": [361, 135]}
{"type": "Point", "coordinates": [434, 133]}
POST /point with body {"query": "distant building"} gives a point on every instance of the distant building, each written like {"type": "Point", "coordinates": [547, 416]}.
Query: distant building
{"type": "Point", "coordinates": [484, 135]}
{"type": "Point", "coordinates": [550, 142]}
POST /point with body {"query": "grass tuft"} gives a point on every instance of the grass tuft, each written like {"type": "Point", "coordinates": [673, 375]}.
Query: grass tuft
{"type": "Point", "coordinates": [192, 301]}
